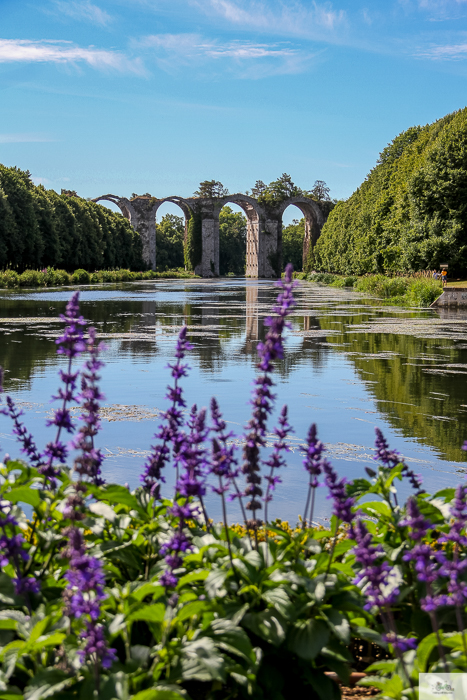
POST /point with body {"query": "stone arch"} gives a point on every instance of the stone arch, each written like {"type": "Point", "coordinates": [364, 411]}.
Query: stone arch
{"type": "Point", "coordinates": [122, 203]}
{"type": "Point", "coordinates": [314, 220]}
{"type": "Point", "coordinates": [253, 217]}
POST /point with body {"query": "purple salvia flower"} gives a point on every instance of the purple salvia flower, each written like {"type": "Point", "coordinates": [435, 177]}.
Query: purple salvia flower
{"type": "Point", "coordinates": [70, 344]}
{"type": "Point", "coordinates": [191, 463]}
{"type": "Point", "coordinates": [455, 570]}
{"type": "Point", "coordinates": [313, 463]}
{"type": "Point", "coordinates": [89, 462]}
{"type": "Point", "coordinates": [426, 560]}
{"type": "Point", "coordinates": [459, 518]}
{"type": "Point", "coordinates": [173, 419]}
{"type": "Point", "coordinates": [223, 461]}
{"type": "Point", "coordinates": [277, 460]}
{"type": "Point", "coordinates": [12, 551]}
{"type": "Point", "coordinates": [83, 597]}
{"type": "Point", "coordinates": [28, 445]}
{"type": "Point", "coordinates": [263, 398]}
{"type": "Point", "coordinates": [374, 573]}
{"type": "Point", "coordinates": [402, 644]}
{"type": "Point", "coordinates": [391, 458]}
{"type": "Point", "coordinates": [343, 503]}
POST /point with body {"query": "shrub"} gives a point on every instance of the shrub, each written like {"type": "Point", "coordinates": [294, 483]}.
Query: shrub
{"type": "Point", "coordinates": [9, 278]}
{"type": "Point", "coordinates": [81, 277]}
{"type": "Point", "coordinates": [32, 278]}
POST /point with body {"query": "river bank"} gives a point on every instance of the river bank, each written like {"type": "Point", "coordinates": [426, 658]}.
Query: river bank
{"type": "Point", "coordinates": [50, 277]}
{"type": "Point", "coordinates": [419, 292]}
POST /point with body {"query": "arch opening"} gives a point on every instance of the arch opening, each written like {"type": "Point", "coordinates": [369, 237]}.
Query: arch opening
{"type": "Point", "coordinates": [299, 235]}
{"type": "Point", "coordinates": [170, 230]}
{"type": "Point", "coordinates": [233, 231]}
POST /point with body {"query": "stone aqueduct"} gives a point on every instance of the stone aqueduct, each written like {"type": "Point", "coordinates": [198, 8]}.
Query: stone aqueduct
{"type": "Point", "coordinates": [264, 228]}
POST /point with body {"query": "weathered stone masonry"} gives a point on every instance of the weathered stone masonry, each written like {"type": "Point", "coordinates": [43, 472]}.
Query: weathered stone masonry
{"type": "Point", "coordinates": [264, 228]}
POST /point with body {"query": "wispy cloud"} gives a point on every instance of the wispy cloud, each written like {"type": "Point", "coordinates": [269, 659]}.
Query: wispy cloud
{"type": "Point", "coordinates": [25, 138]}
{"type": "Point", "coordinates": [446, 52]}
{"type": "Point", "coordinates": [83, 11]}
{"type": "Point", "coordinates": [293, 18]}
{"type": "Point", "coordinates": [64, 52]}
{"type": "Point", "coordinates": [246, 58]}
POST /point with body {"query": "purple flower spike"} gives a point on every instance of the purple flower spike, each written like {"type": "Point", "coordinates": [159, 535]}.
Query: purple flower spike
{"type": "Point", "coordinates": [12, 552]}
{"type": "Point", "coordinates": [28, 446]}
{"type": "Point", "coordinates": [459, 518]}
{"type": "Point", "coordinates": [342, 502]}
{"type": "Point", "coordinates": [70, 344]}
{"type": "Point", "coordinates": [263, 399]}
{"type": "Point", "coordinates": [313, 463]}
{"type": "Point", "coordinates": [89, 462]}
{"type": "Point", "coordinates": [374, 574]}
{"type": "Point", "coordinates": [277, 459]}
{"type": "Point", "coordinates": [83, 598]}
{"type": "Point", "coordinates": [168, 431]}
{"type": "Point", "coordinates": [427, 562]}
{"type": "Point", "coordinates": [391, 458]}
{"type": "Point", "coordinates": [402, 644]}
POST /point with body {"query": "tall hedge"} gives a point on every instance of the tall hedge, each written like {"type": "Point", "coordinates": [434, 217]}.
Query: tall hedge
{"type": "Point", "coordinates": [411, 211]}
{"type": "Point", "coordinates": [40, 228]}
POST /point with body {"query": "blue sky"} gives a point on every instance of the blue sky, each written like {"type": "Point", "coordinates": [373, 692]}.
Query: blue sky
{"type": "Point", "coordinates": [157, 95]}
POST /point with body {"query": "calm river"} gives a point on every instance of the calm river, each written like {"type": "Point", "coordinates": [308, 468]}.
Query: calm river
{"type": "Point", "coordinates": [350, 365]}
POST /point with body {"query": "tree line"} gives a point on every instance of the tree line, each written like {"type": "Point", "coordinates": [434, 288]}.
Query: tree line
{"type": "Point", "coordinates": [40, 228]}
{"type": "Point", "coordinates": [410, 213]}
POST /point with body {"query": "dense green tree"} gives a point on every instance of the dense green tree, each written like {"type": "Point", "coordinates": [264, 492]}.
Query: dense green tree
{"type": "Point", "coordinates": [292, 244]}
{"type": "Point", "coordinates": [170, 236]}
{"type": "Point", "coordinates": [211, 188]}
{"type": "Point", "coordinates": [39, 228]}
{"type": "Point", "coordinates": [320, 191]}
{"type": "Point", "coordinates": [279, 190]}
{"type": "Point", "coordinates": [232, 242]}
{"type": "Point", "coordinates": [411, 211]}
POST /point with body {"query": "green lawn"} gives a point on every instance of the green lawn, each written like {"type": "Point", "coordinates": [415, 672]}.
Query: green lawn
{"type": "Point", "coordinates": [457, 283]}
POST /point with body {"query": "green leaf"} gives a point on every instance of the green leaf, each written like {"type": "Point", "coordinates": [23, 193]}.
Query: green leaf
{"type": "Point", "coordinates": [369, 635]}
{"type": "Point", "coordinates": [162, 694]}
{"type": "Point", "coordinates": [231, 638]}
{"type": "Point", "coordinates": [47, 683]}
{"type": "Point", "coordinates": [446, 494]}
{"type": "Point", "coordinates": [191, 609]}
{"type": "Point", "coordinates": [24, 494]}
{"type": "Point", "coordinates": [279, 599]}
{"type": "Point", "coordinates": [154, 589]}
{"type": "Point", "coordinates": [201, 661]}
{"type": "Point", "coordinates": [114, 493]}
{"type": "Point", "coordinates": [306, 639]}
{"type": "Point", "coordinates": [375, 508]}
{"type": "Point", "coordinates": [358, 487]}
{"type": "Point", "coordinates": [200, 575]}
{"type": "Point", "coordinates": [215, 583]}
{"type": "Point", "coordinates": [424, 650]}
{"type": "Point", "coordinates": [267, 624]}
{"type": "Point", "coordinates": [148, 613]}
{"type": "Point", "coordinates": [339, 625]}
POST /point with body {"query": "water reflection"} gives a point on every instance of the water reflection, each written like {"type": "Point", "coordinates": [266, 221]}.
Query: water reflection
{"type": "Point", "coordinates": [349, 365]}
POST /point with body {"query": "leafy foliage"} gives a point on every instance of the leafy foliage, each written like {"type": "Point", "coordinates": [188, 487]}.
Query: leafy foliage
{"type": "Point", "coordinates": [170, 236]}
{"type": "Point", "coordinates": [292, 243]}
{"type": "Point", "coordinates": [40, 229]}
{"type": "Point", "coordinates": [193, 250]}
{"type": "Point", "coordinates": [410, 213]}
{"type": "Point", "coordinates": [232, 242]}
{"type": "Point", "coordinates": [211, 188]}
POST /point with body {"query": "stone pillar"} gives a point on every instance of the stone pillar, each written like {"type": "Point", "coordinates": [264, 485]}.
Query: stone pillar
{"type": "Point", "coordinates": [209, 265]}
{"type": "Point", "coordinates": [270, 247]}
{"type": "Point", "coordinates": [252, 247]}
{"type": "Point", "coordinates": [144, 221]}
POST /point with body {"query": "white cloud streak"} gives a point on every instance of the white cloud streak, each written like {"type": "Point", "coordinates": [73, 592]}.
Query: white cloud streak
{"type": "Point", "coordinates": [447, 52]}
{"type": "Point", "coordinates": [291, 18]}
{"type": "Point", "coordinates": [247, 59]}
{"type": "Point", "coordinates": [64, 52]}
{"type": "Point", "coordinates": [83, 11]}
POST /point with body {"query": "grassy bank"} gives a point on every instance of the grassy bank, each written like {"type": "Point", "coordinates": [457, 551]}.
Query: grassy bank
{"type": "Point", "coordinates": [57, 278]}
{"type": "Point", "coordinates": [402, 291]}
